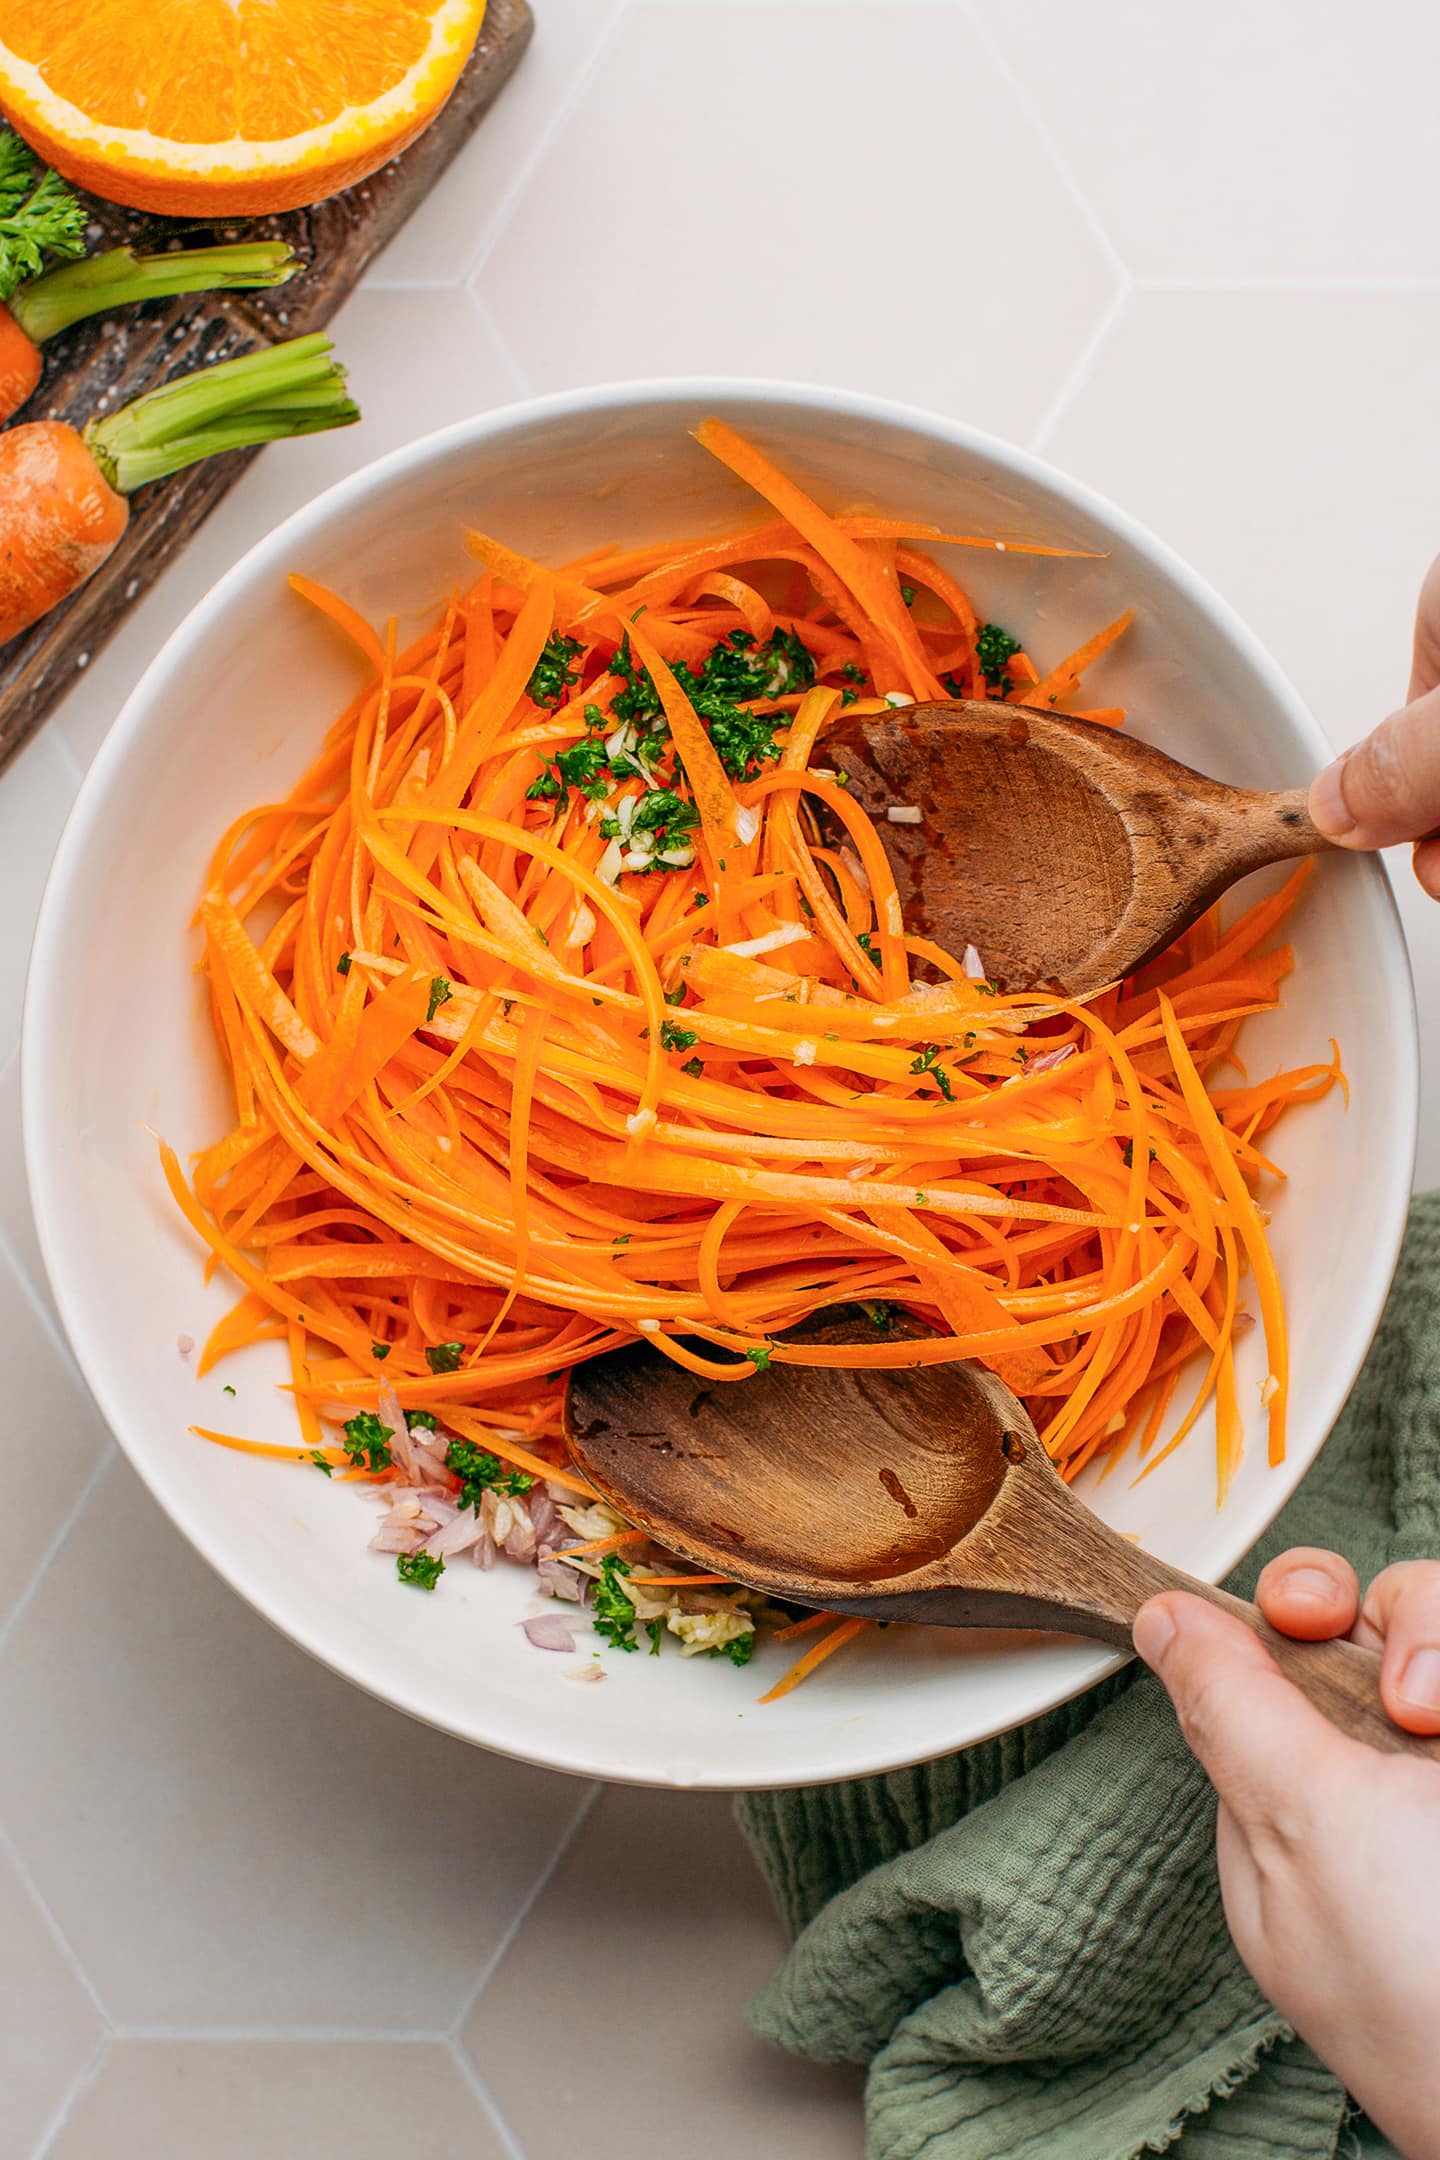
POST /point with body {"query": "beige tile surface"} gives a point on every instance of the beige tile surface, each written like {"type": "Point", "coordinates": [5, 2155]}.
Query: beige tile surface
{"type": "Point", "coordinates": [1289, 445]}
{"type": "Point", "coordinates": [51, 1440]}
{"type": "Point", "coordinates": [227, 1834]}
{"type": "Point", "coordinates": [278, 2100]}
{"type": "Point", "coordinates": [1290, 139]}
{"type": "Point", "coordinates": [35, 801]}
{"type": "Point", "coordinates": [49, 2026]}
{"type": "Point", "coordinates": [17, 1224]}
{"type": "Point", "coordinates": [644, 1947]}
{"type": "Point", "coordinates": [447, 232]}
{"type": "Point", "coordinates": [836, 197]}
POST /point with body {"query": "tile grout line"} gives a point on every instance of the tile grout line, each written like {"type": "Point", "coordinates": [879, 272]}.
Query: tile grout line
{"type": "Point", "coordinates": [76, 2094]}
{"type": "Point", "coordinates": [278, 2035]}
{"type": "Point", "coordinates": [526, 1906]}
{"type": "Point", "coordinates": [525, 170]}
{"type": "Point", "coordinates": [1078, 373]}
{"type": "Point", "coordinates": [17, 1861]}
{"type": "Point", "coordinates": [519, 380]}
{"type": "Point", "coordinates": [1282, 282]}
{"type": "Point", "coordinates": [43, 1314]}
{"type": "Point", "coordinates": [1019, 90]}
{"type": "Point", "coordinates": [90, 1486]}
{"type": "Point", "coordinates": [482, 2093]}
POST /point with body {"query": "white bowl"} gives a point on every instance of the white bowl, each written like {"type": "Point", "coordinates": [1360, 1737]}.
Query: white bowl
{"type": "Point", "coordinates": [117, 1043]}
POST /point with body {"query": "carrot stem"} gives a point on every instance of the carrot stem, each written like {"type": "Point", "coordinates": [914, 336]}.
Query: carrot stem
{"type": "Point", "coordinates": [121, 278]}
{"type": "Point", "coordinates": [290, 389]}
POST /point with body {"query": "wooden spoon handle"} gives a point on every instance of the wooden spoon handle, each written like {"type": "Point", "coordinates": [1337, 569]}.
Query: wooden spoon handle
{"type": "Point", "coordinates": [1094, 1582]}
{"type": "Point", "coordinates": [1339, 1677]}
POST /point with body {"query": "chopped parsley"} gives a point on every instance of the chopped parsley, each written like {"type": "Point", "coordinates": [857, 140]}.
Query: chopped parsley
{"type": "Point", "coordinates": [613, 1612]}
{"type": "Point", "coordinates": [227, 1389]}
{"type": "Point", "coordinates": [907, 594]}
{"type": "Point", "coordinates": [320, 1462]}
{"type": "Point", "coordinates": [1127, 1155]}
{"type": "Point", "coordinates": [639, 700]}
{"type": "Point", "coordinates": [380, 1350]}
{"type": "Point", "coordinates": [480, 1473]}
{"type": "Point", "coordinates": [677, 1038]}
{"type": "Point", "coordinates": [740, 1648]}
{"type": "Point", "coordinates": [994, 649]}
{"type": "Point", "coordinates": [444, 1356]}
{"type": "Point", "coordinates": [926, 1063]}
{"type": "Point", "coordinates": [38, 215]}
{"type": "Point", "coordinates": [853, 673]}
{"type": "Point", "coordinates": [702, 899]}
{"type": "Point", "coordinates": [666, 817]}
{"type": "Point", "coordinates": [553, 674]}
{"type": "Point", "coordinates": [760, 1358]}
{"type": "Point", "coordinates": [694, 1067]}
{"type": "Point", "coordinates": [867, 945]}
{"type": "Point", "coordinates": [420, 1420]}
{"type": "Point", "coordinates": [655, 1629]}
{"type": "Point", "coordinates": [440, 994]}
{"type": "Point", "coordinates": [879, 1314]}
{"type": "Point", "coordinates": [367, 1441]}
{"type": "Point", "coordinates": [342, 965]}
{"type": "Point", "coordinates": [736, 672]}
{"type": "Point", "coordinates": [423, 1569]}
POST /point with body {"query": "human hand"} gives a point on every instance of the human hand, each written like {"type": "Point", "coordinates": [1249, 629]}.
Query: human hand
{"type": "Point", "coordinates": [1387, 788]}
{"type": "Point", "coordinates": [1329, 1851]}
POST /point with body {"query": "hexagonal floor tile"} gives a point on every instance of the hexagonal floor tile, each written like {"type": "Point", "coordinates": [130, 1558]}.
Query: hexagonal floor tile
{"type": "Point", "coordinates": [49, 2027]}
{"type": "Point", "coordinates": [868, 202]}
{"type": "Point", "coordinates": [17, 1223]}
{"type": "Point", "coordinates": [39, 787]}
{"type": "Point", "coordinates": [1289, 445]}
{"type": "Point", "coordinates": [51, 1439]}
{"type": "Point", "coordinates": [1240, 141]}
{"type": "Point", "coordinates": [644, 1947]}
{"type": "Point", "coordinates": [229, 1835]}
{"type": "Point", "coordinates": [440, 242]}
{"type": "Point", "coordinates": [286, 2099]}
{"type": "Point", "coordinates": [415, 364]}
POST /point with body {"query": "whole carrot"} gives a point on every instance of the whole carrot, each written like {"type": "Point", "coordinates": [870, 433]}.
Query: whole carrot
{"type": "Point", "coordinates": [63, 495]}
{"type": "Point", "coordinates": [40, 218]}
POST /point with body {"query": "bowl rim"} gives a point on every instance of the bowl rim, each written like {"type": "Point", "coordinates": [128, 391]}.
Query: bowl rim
{"type": "Point", "coordinates": [43, 1148]}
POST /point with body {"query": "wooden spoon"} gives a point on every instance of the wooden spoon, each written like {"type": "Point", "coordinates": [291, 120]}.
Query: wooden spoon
{"type": "Point", "coordinates": [1065, 853]}
{"type": "Point", "coordinates": [914, 1493]}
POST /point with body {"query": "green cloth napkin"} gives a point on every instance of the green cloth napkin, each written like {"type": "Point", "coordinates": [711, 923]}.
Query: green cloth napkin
{"type": "Point", "coordinates": [1025, 1941]}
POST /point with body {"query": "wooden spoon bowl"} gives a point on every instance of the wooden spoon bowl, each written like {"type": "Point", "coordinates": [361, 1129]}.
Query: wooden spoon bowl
{"type": "Point", "coordinates": [1066, 853]}
{"type": "Point", "coordinates": [911, 1492]}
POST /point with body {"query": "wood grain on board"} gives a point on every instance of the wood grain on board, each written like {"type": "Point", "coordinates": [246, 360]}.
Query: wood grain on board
{"type": "Point", "coordinates": [105, 363]}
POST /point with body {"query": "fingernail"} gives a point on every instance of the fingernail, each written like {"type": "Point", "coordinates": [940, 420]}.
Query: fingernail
{"type": "Point", "coordinates": [1328, 806]}
{"type": "Point", "coordinates": [1153, 1633]}
{"type": "Point", "coordinates": [1419, 1682]}
{"type": "Point", "coordinates": [1309, 1582]}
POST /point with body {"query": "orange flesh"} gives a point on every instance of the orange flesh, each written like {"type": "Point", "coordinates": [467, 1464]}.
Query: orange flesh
{"type": "Point", "coordinates": [255, 70]}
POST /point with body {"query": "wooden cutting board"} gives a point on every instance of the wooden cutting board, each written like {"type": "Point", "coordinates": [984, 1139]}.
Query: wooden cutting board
{"type": "Point", "coordinates": [119, 358]}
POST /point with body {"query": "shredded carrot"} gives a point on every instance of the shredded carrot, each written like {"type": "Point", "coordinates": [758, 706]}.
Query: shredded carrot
{"type": "Point", "coordinates": [826, 1647]}
{"type": "Point", "coordinates": [568, 1000]}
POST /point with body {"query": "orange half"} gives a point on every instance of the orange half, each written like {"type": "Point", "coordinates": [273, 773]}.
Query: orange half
{"type": "Point", "coordinates": [221, 108]}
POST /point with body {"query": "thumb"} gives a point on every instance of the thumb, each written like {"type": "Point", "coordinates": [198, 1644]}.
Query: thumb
{"type": "Point", "coordinates": [1387, 788]}
{"type": "Point", "coordinates": [1263, 1746]}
